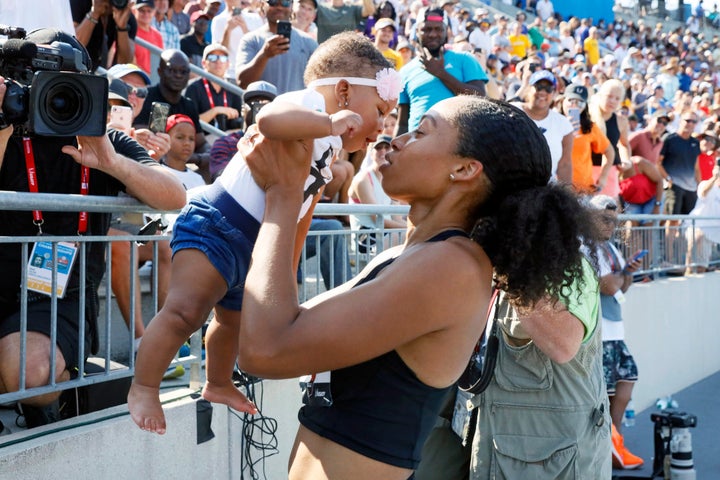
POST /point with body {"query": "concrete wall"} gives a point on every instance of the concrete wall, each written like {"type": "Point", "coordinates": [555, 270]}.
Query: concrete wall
{"type": "Point", "coordinates": [672, 327]}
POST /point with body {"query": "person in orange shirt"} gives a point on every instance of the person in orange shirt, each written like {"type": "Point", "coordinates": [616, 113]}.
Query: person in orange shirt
{"type": "Point", "coordinates": [588, 139]}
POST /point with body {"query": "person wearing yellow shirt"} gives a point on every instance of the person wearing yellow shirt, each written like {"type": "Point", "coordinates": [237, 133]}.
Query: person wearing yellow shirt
{"type": "Point", "coordinates": [592, 47]}
{"type": "Point", "coordinates": [519, 42]}
{"type": "Point", "coordinates": [384, 32]}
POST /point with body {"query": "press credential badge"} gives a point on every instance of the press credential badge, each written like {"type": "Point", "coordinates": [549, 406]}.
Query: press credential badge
{"type": "Point", "coordinates": [40, 267]}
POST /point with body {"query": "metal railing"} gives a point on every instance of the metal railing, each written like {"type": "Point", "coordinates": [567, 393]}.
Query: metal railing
{"type": "Point", "coordinates": [671, 248]}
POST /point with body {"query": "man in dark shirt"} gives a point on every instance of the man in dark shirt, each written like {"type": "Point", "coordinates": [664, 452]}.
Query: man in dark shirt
{"type": "Point", "coordinates": [174, 72]}
{"type": "Point", "coordinates": [677, 161]}
{"type": "Point", "coordinates": [99, 26]}
{"type": "Point", "coordinates": [116, 163]}
{"type": "Point", "coordinates": [193, 43]}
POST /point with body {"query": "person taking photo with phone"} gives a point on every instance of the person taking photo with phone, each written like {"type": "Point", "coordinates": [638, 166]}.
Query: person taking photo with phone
{"type": "Point", "coordinates": [266, 54]}
{"type": "Point", "coordinates": [618, 364]}
{"type": "Point", "coordinates": [588, 140]}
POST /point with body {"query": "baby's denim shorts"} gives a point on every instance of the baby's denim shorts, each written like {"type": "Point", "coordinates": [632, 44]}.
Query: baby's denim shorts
{"type": "Point", "coordinates": [225, 232]}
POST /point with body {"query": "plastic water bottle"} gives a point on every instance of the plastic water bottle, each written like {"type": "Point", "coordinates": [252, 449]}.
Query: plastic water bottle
{"type": "Point", "coordinates": [629, 420]}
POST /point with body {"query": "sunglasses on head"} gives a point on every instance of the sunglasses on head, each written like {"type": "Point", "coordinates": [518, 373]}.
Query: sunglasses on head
{"type": "Point", "coordinates": [213, 57]}
{"type": "Point", "coordinates": [544, 87]}
{"type": "Point", "coordinates": [282, 3]}
{"type": "Point", "coordinates": [140, 92]}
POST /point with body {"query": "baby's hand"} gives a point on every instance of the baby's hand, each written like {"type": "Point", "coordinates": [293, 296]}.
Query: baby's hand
{"type": "Point", "coordinates": [345, 121]}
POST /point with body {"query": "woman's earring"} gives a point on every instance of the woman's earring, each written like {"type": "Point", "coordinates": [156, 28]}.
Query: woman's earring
{"type": "Point", "coordinates": [452, 177]}
{"type": "Point", "coordinates": [339, 105]}
{"type": "Point", "coordinates": [346, 103]}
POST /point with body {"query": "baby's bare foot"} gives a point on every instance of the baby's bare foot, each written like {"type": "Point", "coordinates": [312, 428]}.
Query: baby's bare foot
{"type": "Point", "coordinates": [145, 408]}
{"type": "Point", "coordinates": [228, 395]}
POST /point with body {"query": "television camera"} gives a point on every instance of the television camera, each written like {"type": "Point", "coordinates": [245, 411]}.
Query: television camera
{"type": "Point", "coordinates": [49, 90]}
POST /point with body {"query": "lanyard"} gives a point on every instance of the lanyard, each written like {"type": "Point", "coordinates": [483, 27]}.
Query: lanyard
{"type": "Point", "coordinates": [33, 186]}
{"type": "Point", "coordinates": [209, 94]}
{"type": "Point", "coordinates": [614, 260]}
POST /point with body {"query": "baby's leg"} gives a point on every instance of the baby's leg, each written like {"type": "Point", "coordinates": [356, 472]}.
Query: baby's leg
{"type": "Point", "coordinates": [195, 287]}
{"type": "Point", "coordinates": [221, 345]}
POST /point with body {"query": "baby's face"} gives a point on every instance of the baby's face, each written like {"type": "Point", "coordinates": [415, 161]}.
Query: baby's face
{"type": "Point", "coordinates": [366, 102]}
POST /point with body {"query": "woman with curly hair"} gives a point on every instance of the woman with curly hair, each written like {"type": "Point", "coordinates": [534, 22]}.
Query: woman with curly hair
{"type": "Point", "coordinates": [393, 342]}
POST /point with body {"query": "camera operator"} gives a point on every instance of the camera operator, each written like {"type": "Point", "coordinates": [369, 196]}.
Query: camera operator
{"type": "Point", "coordinates": [59, 162]}
{"type": "Point", "coordinates": [101, 23]}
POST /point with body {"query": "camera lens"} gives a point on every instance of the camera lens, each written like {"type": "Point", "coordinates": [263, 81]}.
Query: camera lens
{"type": "Point", "coordinates": [63, 103]}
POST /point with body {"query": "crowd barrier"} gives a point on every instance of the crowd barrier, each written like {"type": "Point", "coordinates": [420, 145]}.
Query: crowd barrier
{"type": "Point", "coordinates": [668, 249]}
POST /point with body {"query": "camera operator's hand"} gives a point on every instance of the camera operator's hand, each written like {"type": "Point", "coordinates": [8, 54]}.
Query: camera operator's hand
{"type": "Point", "coordinates": [157, 144]}
{"type": "Point", "coordinates": [94, 152]}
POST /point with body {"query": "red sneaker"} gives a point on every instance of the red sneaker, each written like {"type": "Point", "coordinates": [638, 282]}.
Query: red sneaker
{"type": "Point", "coordinates": [621, 456]}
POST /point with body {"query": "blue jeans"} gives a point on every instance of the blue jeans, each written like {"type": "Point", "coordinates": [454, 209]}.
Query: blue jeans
{"type": "Point", "coordinates": [333, 252]}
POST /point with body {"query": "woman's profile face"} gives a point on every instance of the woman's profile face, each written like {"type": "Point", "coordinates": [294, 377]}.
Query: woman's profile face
{"type": "Point", "coordinates": [610, 101]}
{"type": "Point", "coordinates": [421, 161]}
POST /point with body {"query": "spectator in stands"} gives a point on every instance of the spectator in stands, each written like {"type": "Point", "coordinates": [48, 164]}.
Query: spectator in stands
{"type": "Point", "coordinates": [619, 367]}
{"type": "Point", "coordinates": [541, 88]}
{"type": "Point", "coordinates": [99, 26]}
{"type": "Point", "coordinates": [144, 11]}
{"type": "Point", "coordinates": [386, 10]}
{"type": "Point", "coordinates": [603, 110]}
{"type": "Point", "coordinates": [174, 72]}
{"type": "Point", "coordinates": [519, 41]}
{"type": "Point", "coordinates": [588, 140]}
{"type": "Point", "coordinates": [257, 95]}
{"type": "Point", "coordinates": [591, 46]}
{"type": "Point", "coordinates": [338, 16]}
{"type": "Point", "coordinates": [708, 155]}
{"type": "Point", "coordinates": [384, 32]}
{"type": "Point", "coordinates": [435, 74]}
{"type": "Point", "coordinates": [193, 43]}
{"type": "Point", "coordinates": [480, 37]}
{"type": "Point", "coordinates": [137, 81]}
{"type": "Point", "coordinates": [182, 146]}
{"type": "Point", "coordinates": [161, 22]}
{"type": "Point", "coordinates": [265, 55]}
{"type": "Point", "coordinates": [339, 109]}
{"type": "Point", "coordinates": [180, 19]}
{"type": "Point", "coordinates": [115, 162]}
{"type": "Point", "coordinates": [406, 50]}
{"type": "Point", "coordinates": [395, 321]}
{"type": "Point", "coordinates": [544, 9]}
{"type": "Point", "coordinates": [677, 162]}
{"type": "Point", "coordinates": [648, 142]}
{"type": "Point", "coordinates": [217, 106]}
{"type": "Point", "coordinates": [704, 235]}
{"type": "Point", "coordinates": [304, 13]}
{"type": "Point", "coordinates": [229, 26]}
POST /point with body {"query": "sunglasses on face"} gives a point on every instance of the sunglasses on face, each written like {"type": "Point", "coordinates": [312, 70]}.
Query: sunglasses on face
{"type": "Point", "coordinates": [662, 122]}
{"type": "Point", "coordinates": [140, 92]}
{"type": "Point", "coordinates": [217, 58]}
{"type": "Point", "coordinates": [689, 120]}
{"type": "Point", "coordinates": [544, 87]}
{"type": "Point", "coordinates": [282, 3]}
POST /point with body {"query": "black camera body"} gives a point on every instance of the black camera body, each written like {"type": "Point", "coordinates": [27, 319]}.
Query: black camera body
{"type": "Point", "coordinates": [119, 4]}
{"type": "Point", "coordinates": [49, 91]}
{"type": "Point", "coordinates": [674, 419]}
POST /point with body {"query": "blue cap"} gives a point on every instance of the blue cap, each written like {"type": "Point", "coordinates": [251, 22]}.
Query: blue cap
{"type": "Point", "coordinates": [542, 75]}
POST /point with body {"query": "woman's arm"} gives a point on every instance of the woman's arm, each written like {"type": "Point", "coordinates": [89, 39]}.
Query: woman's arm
{"type": "Point", "coordinates": [607, 164]}
{"type": "Point", "coordinates": [427, 291]}
{"type": "Point", "coordinates": [555, 331]}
